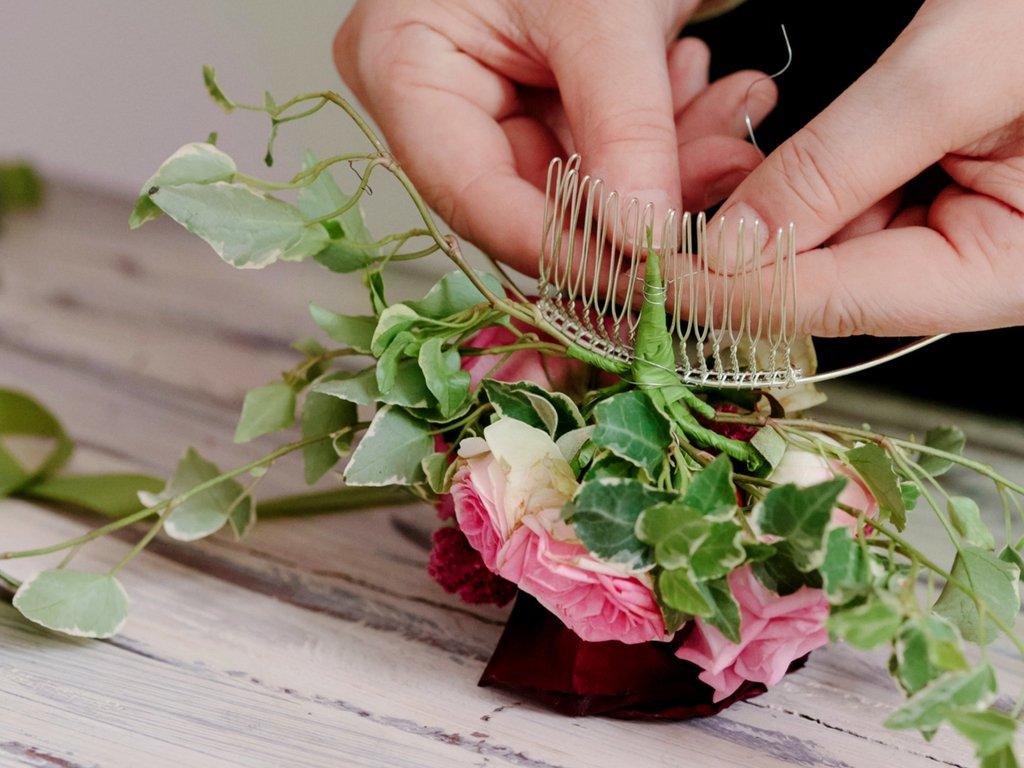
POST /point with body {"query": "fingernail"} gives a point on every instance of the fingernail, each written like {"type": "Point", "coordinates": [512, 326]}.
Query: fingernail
{"type": "Point", "coordinates": [755, 234]}
{"type": "Point", "coordinates": [722, 187]}
{"type": "Point", "coordinates": [751, 219]}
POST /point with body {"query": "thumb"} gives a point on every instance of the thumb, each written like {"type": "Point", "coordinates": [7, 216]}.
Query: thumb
{"type": "Point", "coordinates": [612, 75]}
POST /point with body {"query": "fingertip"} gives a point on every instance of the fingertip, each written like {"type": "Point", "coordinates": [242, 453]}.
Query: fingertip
{"type": "Point", "coordinates": [689, 61]}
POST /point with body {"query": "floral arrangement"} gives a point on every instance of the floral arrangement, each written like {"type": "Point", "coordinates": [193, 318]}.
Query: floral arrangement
{"type": "Point", "coordinates": [675, 549]}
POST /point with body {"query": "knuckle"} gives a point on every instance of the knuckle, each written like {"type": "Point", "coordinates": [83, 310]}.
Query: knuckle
{"type": "Point", "coordinates": [641, 128]}
{"type": "Point", "coordinates": [809, 170]}
{"type": "Point", "coordinates": [840, 314]}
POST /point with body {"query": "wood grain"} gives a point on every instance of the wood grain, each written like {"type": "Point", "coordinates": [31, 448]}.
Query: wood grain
{"type": "Point", "coordinates": [317, 641]}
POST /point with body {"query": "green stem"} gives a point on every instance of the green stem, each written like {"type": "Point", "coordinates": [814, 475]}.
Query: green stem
{"type": "Point", "coordinates": [139, 545]}
{"type": "Point", "coordinates": [348, 499]}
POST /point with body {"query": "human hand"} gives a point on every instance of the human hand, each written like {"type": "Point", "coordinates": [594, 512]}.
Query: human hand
{"type": "Point", "coordinates": [950, 91]}
{"type": "Point", "coordinates": [475, 98]}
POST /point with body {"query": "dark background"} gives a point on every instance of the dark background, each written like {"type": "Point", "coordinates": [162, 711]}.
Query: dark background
{"type": "Point", "coordinates": [833, 44]}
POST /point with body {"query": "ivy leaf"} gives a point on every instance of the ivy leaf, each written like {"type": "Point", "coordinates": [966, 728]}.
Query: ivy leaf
{"type": "Point", "coordinates": [994, 581]}
{"type": "Point", "coordinates": [609, 465]}
{"type": "Point", "coordinates": [435, 469]}
{"type": "Point", "coordinates": [848, 570]}
{"type": "Point", "coordinates": [409, 390]}
{"type": "Point", "coordinates": [777, 571]}
{"type": "Point", "coordinates": [74, 602]}
{"type": "Point", "coordinates": [604, 514]}
{"type": "Point", "coordinates": [443, 376]}
{"type": "Point", "coordinates": [113, 494]}
{"type": "Point", "coordinates": [630, 426]}
{"type": "Point", "coordinates": [927, 646]}
{"type": "Point", "coordinates": [770, 444]}
{"type": "Point", "coordinates": [966, 518]}
{"type": "Point", "coordinates": [532, 404]}
{"type": "Point", "coordinates": [391, 450]}
{"type": "Point", "coordinates": [511, 403]}
{"type": "Point", "coordinates": [725, 615]}
{"type": "Point", "coordinates": [323, 414]}
{"type": "Point", "coordinates": [207, 511]}
{"type": "Point", "coordinates": [355, 331]}
{"type": "Point", "coordinates": [390, 325]}
{"type": "Point", "coordinates": [266, 409]}
{"type": "Point", "coordinates": [801, 516]}
{"type": "Point", "coordinates": [573, 441]}
{"type": "Point", "coordinates": [711, 491]}
{"type": "Point", "coordinates": [210, 80]}
{"type": "Point", "coordinates": [873, 465]}
{"type": "Point", "coordinates": [195, 163]}
{"type": "Point", "coordinates": [952, 693]}
{"type": "Point", "coordinates": [1003, 758]}
{"type": "Point", "coordinates": [911, 492]}
{"type": "Point", "coordinates": [989, 731]}
{"type": "Point", "coordinates": [683, 538]}
{"type": "Point", "coordinates": [246, 228]}
{"type": "Point", "coordinates": [680, 592]}
{"type": "Point", "coordinates": [23, 419]}
{"type": "Point", "coordinates": [454, 293]}
{"type": "Point", "coordinates": [866, 625]}
{"type": "Point", "coordinates": [401, 347]}
{"type": "Point", "coordinates": [948, 439]}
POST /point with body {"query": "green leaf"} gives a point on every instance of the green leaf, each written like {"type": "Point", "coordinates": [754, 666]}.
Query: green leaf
{"type": "Point", "coordinates": [725, 616]}
{"type": "Point", "coordinates": [391, 450]}
{"type": "Point", "coordinates": [873, 465]}
{"type": "Point", "coordinates": [948, 439]}
{"type": "Point", "coordinates": [848, 569]}
{"type": "Point", "coordinates": [401, 346]}
{"type": "Point", "coordinates": [195, 163]}
{"type": "Point", "coordinates": [266, 409]}
{"type": "Point", "coordinates": [684, 538]}
{"type": "Point", "coordinates": [391, 323]}
{"type": "Point", "coordinates": [630, 426]}
{"type": "Point", "coordinates": [355, 249]}
{"type": "Point", "coordinates": [779, 572]}
{"type": "Point", "coordinates": [680, 592]}
{"type": "Point", "coordinates": [711, 491]}
{"type": "Point", "coordinates": [205, 512]}
{"type": "Point", "coordinates": [994, 582]}
{"type": "Point", "coordinates": [801, 516]}
{"type": "Point", "coordinates": [609, 465]}
{"type": "Point", "coordinates": [952, 693]}
{"type": "Point", "coordinates": [210, 80]}
{"type": "Point", "coordinates": [532, 404]}
{"type": "Point", "coordinates": [989, 731]}
{"type": "Point", "coordinates": [866, 625]}
{"type": "Point", "coordinates": [1003, 758]}
{"type": "Point", "coordinates": [1012, 555]}
{"type": "Point", "coordinates": [509, 402]}
{"type": "Point", "coordinates": [246, 228]}
{"type": "Point", "coordinates": [966, 518]}
{"type": "Point", "coordinates": [927, 646]}
{"type": "Point", "coordinates": [571, 443]}
{"type": "Point", "coordinates": [910, 492]}
{"type": "Point", "coordinates": [38, 435]}
{"type": "Point", "coordinates": [409, 390]}
{"type": "Point", "coordinates": [604, 514]}
{"type": "Point", "coordinates": [770, 444]}
{"type": "Point", "coordinates": [454, 293]}
{"type": "Point", "coordinates": [355, 331]}
{"type": "Point", "coordinates": [113, 495]}
{"type": "Point", "coordinates": [443, 376]}
{"type": "Point", "coordinates": [73, 602]}
{"type": "Point", "coordinates": [435, 469]}
{"type": "Point", "coordinates": [323, 414]}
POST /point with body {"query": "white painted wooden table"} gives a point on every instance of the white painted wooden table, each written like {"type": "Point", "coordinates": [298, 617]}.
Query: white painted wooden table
{"type": "Point", "coordinates": [317, 641]}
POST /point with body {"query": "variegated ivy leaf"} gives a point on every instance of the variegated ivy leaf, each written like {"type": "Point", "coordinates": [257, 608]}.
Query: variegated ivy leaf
{"type": "Point", "coordinates": [684, 538]}
{"type": "Point", "coordinates": [355, 331]}
{"type": "Point", "coordinates": [948, 439]}
{"type": "Point", "coordinates": [266, 409]}
{"type": "Point", "coordinates": [195, 163]}
{"type": "Point", "coordinates": [993, 581]}
{"type": "Point", "coordinates": [867, 624]}
{"type": "Point", "coordinates": [435, 469]}
{"type": "Point", "coordinates": [409, 390]}
{"type": "Point", "coordinates": [966, 518]}
{"type": "Point", "coordinates": [571, 442]}
{"type": "Point", "coordinates": [445, 379]}
{"type": "Point", "coordinates": [771, 445]}
{"type": "Point", "coordinates": [875, 468]}
{"type": "Point", "coordinates": [323, 414]}
{"type": "Point", "coordinates": [33, 444]}
{"type": "Point", "coordinates": [391, 451]}
{"type": "Point", "coordinates": [246, 228]}
{"type": "Point", "coordinates": [207, 511]}
{"type": "Point", "coordinates": [681, 593]}
{"type": "Point", "coordinates": [533, 405]}
{"type": "Point", "coordinates": [954, 692]}
{"type": "Point", "coordinates": [73, 602]}
{"type": "Point", "coordinates": [849, 569]}
{"type": "Point", "coordinates": [926, 647]}
{"type": "Point", "coordinates": [711, 491]}
{"type": "Point", "coordinates": [631, 427]}
{"type": "Point", "coordinates": [454, 293]}
{"type": "Point", "coordinates": [604, 514]}
{"type": "Point", "coordinates": [800, 516]}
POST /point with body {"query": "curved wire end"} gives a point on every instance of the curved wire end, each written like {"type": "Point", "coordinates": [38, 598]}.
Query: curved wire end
{"type": "Point", "coordinates": [746, 98]}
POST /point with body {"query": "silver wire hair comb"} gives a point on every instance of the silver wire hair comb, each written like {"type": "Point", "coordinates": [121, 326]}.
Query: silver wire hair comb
{"type": "Point", "coordinates": [733, 328]}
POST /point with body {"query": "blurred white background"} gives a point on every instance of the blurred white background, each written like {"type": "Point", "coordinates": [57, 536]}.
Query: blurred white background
{"type": "Point", "coordinates": [99, 92]}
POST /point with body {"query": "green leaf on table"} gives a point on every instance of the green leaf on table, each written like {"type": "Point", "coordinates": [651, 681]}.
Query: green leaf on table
{"type": "Point", "coordinates": [849, 569]}
{"type": "Point", "coordinates": [33, 444]}
{"type": "Point", "coordinates": [631, 427]}
{"type": "Point", "coordinates": [966, 518]}
{"type": "Point", "coordinates": [801, 516]}
{"type": "Point", "coordinates": [711, 491]}
{"type": "Point", "coordinates": [74, 602]}
{"type": "Point", "coordinates": [875, 468]}
{"type": "Point", "coordinates": [684, 538]}
{"type": "Point", "coordinates": [195, 163]}
{"type": "Point", "coordinates": [770, 444]}
{"type": "Point", "coordinates": [445, 379]}
{"type": "Point", "coordinates": [949, 439]}
{"type": "Point", "coordinates": [995, 583]}
{"type": "Point", "coordinates": [266, 409]}
{"type": "Point", "coordinates": [604, 514]}
{"type": "Point", "coordinates": [990, 731]}
{"type": "Point", "coordinates": [355, 331]}
{"type": "Point", "coordinates": [391, 450]}
{"type": "Point", "coordinates": [953, 693]}
{"type": "Point", "coordinates": [409, 390]}
{"type": "Point", "coordinates": [926, 647]}
{"type": "Point", "coordinates": [454, 293]}
{"type": "Point", "coordinates": [864, 626]}
{"type": "Point", "coordinates": [324, 414]}
{"type": "Point", "coordinates": [679, 592]}
{"type": "Point", "coordinates": [247, 229]}
{"type": "Point", "coordinates": [207, 511]}
{"type": "Point", "coordinates": [210, 80]}
{"type": "Point", "coordinates": [111, 494]}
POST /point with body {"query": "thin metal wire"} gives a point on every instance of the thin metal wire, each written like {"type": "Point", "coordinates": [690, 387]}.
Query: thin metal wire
{"type": "Point", "coordinates": [746, 98]}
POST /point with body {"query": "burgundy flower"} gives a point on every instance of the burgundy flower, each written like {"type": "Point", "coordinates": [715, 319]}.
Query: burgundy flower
{"type": "Point", "coordinates": [459, 569]}
{"type": "Point", "coordinates": [741, 432]}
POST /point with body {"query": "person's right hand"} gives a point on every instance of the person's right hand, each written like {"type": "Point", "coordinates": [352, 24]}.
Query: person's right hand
{"type": "Point", "coordinates": [950, 91]}
{"type": "Point", "coordinates": [476, 96]}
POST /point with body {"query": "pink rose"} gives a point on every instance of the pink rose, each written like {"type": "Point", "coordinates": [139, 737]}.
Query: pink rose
{"type": "Point", "coordinates": [555, 374]}
{"type": "Point", "coordinates": [508, 497]}
{"type": "Point", "coordinates": [805, 468]}
{"type": "Point", "coordinates": [775, 631]}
